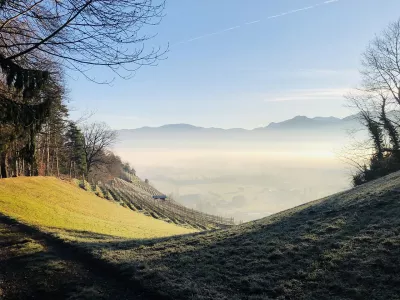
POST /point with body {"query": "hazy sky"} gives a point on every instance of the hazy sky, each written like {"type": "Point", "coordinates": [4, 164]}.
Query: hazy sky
{"type": "Point", "coordinates": [242, 63]}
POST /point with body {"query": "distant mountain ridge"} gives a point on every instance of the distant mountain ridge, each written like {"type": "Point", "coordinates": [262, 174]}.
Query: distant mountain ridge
{"type": "Point", "coordinates": [297, 131]}
{"type": "Point", "coordinates": [296, 123]}
{"type": "Point", "coordinates": [303, 122]}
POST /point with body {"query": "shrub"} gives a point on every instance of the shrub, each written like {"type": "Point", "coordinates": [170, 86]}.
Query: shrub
{"type": "Point", "coordinates": [85, 185]}
{"type": "Point", "coordinates": [378, 167]}
{"type": "Point", "coordinates": [114, 195]}
{"type": "Point", "coordinates": [106, 193]}
{"type": "Point", "coordinates": [109, 196]}
{"type": "Point", "coordinates": [98, 192]}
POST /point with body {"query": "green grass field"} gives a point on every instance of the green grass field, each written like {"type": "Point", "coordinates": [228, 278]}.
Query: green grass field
{"type": "Point", "coordinates": [64, 209]}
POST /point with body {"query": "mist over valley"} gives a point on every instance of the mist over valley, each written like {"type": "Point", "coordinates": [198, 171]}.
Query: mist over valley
{"type": "Point", "coordinates": [245, 174]}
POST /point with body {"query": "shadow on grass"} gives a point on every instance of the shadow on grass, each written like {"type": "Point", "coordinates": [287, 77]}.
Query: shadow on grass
{"type": "Point", "coordinates": [90, 239]}
{"type": "Point", "coordinates": [83, 253]}
{"type": "Point", "coordinates": [38, 275]}
{"type": "Point", "coordinates": [325, 251]}
{"type": "Point", "coordinates": [69, 252]}
{"type": "Point", "coordinates": [31, 270]}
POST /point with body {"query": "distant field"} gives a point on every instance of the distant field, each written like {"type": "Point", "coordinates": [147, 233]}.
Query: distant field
{"type": "Point", "coordinates": [60, 207]}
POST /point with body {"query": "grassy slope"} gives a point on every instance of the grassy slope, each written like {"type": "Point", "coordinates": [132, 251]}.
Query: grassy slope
{"type": "Point", "coordinates": [31, 269]}
{"type": "Point", "coordinates": [346, 246]}
{"type": "Point", "coordinates": [60, 207]}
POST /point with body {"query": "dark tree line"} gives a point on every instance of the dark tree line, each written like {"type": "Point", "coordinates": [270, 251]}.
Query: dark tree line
{"type": "Point", "coordinates": [378, 104]}
{"type": "Point", "coordinates": [39, 41]}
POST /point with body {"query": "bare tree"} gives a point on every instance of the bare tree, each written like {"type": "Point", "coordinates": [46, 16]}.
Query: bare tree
{"type": "Point", "coordinates": [79, 34]}
{"type": "Point", "coordinates": [381, 65]}
{"type": "Point", "coordinates": [110, 168]}
{"type": "Point", "coordinates": [379, 95]}
{"type": "Point", "coordinates": [98, 138]}
{"type": "Point", "coordinates": [378, 101]}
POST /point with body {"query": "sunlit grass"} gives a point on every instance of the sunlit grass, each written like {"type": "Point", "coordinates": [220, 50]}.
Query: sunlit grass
{"type": "Point", "coordinates": [61, 207]}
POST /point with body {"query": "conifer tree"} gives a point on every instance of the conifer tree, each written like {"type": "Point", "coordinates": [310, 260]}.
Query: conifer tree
{"type": "Point", "coordinates": [75, 147]}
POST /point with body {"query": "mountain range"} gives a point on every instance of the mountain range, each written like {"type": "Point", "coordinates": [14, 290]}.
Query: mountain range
{"type": "Point", "coordinates": [296, 123]}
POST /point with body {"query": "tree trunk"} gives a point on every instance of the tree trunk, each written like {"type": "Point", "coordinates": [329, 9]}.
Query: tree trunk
{"type": "Point", "coordinates": [48, 161]}
{"type": "Point", "coordinates": [48, 152]}
{"type": "Point", "coordinates": [3, 163]}
{"type": "Point", "coordinates": [57, 164]}
{"type": "Point", "coordinates": [16, 168]}
{"type": "Point", "coordinates": [32, 154]}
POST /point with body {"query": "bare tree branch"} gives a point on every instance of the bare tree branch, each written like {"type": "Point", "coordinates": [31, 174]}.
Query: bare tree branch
{"type": "Point", "coordinates": [98, 138]}
{"type": "Point", "coordinates": [78, 33]}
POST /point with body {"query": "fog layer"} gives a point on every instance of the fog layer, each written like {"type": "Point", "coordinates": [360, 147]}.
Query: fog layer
{"type": "Point", "coordinates": [236, 177]}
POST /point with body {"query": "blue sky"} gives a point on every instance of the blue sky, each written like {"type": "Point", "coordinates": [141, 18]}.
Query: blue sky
{"type": "Point", "coordinates": [223, 70]}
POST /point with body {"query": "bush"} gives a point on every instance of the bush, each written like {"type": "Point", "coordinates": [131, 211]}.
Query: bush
{"type": "Point", "coordinates": [106, 193]}
{"type": "Point", "coordinates": [378, 167]}
{"type": "Point", "coordinates": [114, 195]}
{"type": "Point", "coordinates": [83, 184]}
{"type": "Point", "coordinates": [98, 192]}
{"type": "Point", "coordinates": [109, 196]}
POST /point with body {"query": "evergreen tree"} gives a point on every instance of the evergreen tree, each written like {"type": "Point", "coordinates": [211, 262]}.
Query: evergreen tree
{"type": "Point", "coordinates": [75, 147]}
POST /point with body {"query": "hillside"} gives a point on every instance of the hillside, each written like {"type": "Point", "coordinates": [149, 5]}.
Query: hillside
{"type": "Point", "coordinates": [346, 246]}
{"type": "Point", "coordinates": [32, 267]}
{"type": "Point", "coordinates": [44, 222]}
{"type": "Point", "coordinates": [138, 196]}
{"type": "Point", "coordinates": [60, 207]}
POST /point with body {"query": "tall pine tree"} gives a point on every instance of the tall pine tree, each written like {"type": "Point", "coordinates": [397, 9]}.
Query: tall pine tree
{"type": "Point", "coordinates": [75, 147]}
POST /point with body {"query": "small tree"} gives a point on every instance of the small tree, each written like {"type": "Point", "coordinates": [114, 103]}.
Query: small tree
{"type": "Point", "coordinates": [98, 137]}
